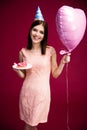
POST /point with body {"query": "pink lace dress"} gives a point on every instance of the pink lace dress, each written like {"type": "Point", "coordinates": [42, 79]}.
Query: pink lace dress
{"type": "Point", "coordinates": [34, 100]}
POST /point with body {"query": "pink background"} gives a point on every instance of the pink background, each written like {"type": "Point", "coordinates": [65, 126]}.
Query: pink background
{"type": "Point", "coordinates": [16, 17]}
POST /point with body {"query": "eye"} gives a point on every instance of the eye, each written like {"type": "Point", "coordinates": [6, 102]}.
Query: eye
{"type": "Point", "coordinates": [42, 32]}
{"type": "Point", "coordinates": [34, 29]}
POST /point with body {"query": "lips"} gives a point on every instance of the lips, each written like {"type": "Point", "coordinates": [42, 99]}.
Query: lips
{"type": "Point", "coordinates": [36, 39]}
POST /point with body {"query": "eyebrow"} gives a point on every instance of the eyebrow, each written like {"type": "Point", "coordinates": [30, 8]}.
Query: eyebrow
{"type": "Point", "coordinates": [42, 31]}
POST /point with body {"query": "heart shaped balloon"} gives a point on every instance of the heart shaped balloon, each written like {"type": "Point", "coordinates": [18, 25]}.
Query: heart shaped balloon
{"type": "Point", "coordinates": [71, 25]}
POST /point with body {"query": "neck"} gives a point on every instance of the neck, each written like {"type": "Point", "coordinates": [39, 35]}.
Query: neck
{"type": "Point", "coordinates": [36, 47]}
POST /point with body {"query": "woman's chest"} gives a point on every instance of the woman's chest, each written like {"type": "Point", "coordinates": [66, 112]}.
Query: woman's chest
{"type": "Point", "coordinates": [38, 60]}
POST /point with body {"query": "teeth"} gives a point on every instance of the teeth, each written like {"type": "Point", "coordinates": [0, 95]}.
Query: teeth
{"type": "Point", "coordinates": [36, 38]}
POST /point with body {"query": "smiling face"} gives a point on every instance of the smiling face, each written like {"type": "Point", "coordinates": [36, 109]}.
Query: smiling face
{"type": "Point", "coordinates": [37, 34]}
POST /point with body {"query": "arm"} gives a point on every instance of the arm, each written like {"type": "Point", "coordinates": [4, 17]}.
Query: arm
{"type": "Point", "coordinates": [21, 73]}
{"type": "Point", "coordinates": [57, 70]}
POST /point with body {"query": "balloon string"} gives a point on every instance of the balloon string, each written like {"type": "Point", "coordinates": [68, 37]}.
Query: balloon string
{"type": "Point", "coordinates": [67, 94]}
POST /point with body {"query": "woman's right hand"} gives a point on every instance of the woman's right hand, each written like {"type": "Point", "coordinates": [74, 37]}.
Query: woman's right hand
{"type": "Point", "coordinates": [20, 73]}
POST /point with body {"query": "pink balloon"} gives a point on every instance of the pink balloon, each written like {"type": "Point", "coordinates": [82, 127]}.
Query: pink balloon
{"type": "Point", "coordinates": [71, 25]}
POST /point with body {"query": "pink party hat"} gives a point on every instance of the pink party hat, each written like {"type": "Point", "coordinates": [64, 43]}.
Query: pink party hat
{"type": "Point", "coordinates": [38, 15]}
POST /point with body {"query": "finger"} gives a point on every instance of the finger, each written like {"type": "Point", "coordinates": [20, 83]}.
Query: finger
{"type": "Point", "coordinates": [69, 54]}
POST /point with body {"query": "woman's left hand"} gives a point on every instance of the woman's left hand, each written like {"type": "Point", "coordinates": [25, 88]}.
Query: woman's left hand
{"type": "Point", "coordinates": [66, 58]}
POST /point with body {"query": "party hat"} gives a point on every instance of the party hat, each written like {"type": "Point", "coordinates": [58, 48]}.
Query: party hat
{"type": "Point", "coordinates": [38, 15]}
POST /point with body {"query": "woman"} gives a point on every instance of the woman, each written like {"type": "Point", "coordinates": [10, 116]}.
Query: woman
{"type": "Point", "coordinates": [35, 93]}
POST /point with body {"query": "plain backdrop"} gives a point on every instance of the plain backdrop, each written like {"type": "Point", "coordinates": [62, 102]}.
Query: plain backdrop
{"type": "Point", "coordinates": [16, 17]}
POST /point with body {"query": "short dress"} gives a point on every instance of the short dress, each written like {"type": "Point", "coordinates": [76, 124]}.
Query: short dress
{"type": "Point", "coordinates": [35, 97]}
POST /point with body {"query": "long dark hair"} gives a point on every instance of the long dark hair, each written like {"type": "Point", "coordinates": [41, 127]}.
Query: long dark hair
{"type": "Point", "coordinates": [44, 41]}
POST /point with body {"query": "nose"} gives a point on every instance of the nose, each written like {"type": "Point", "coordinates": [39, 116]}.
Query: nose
{"type": "Point", "coordinates": [37, 33]}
